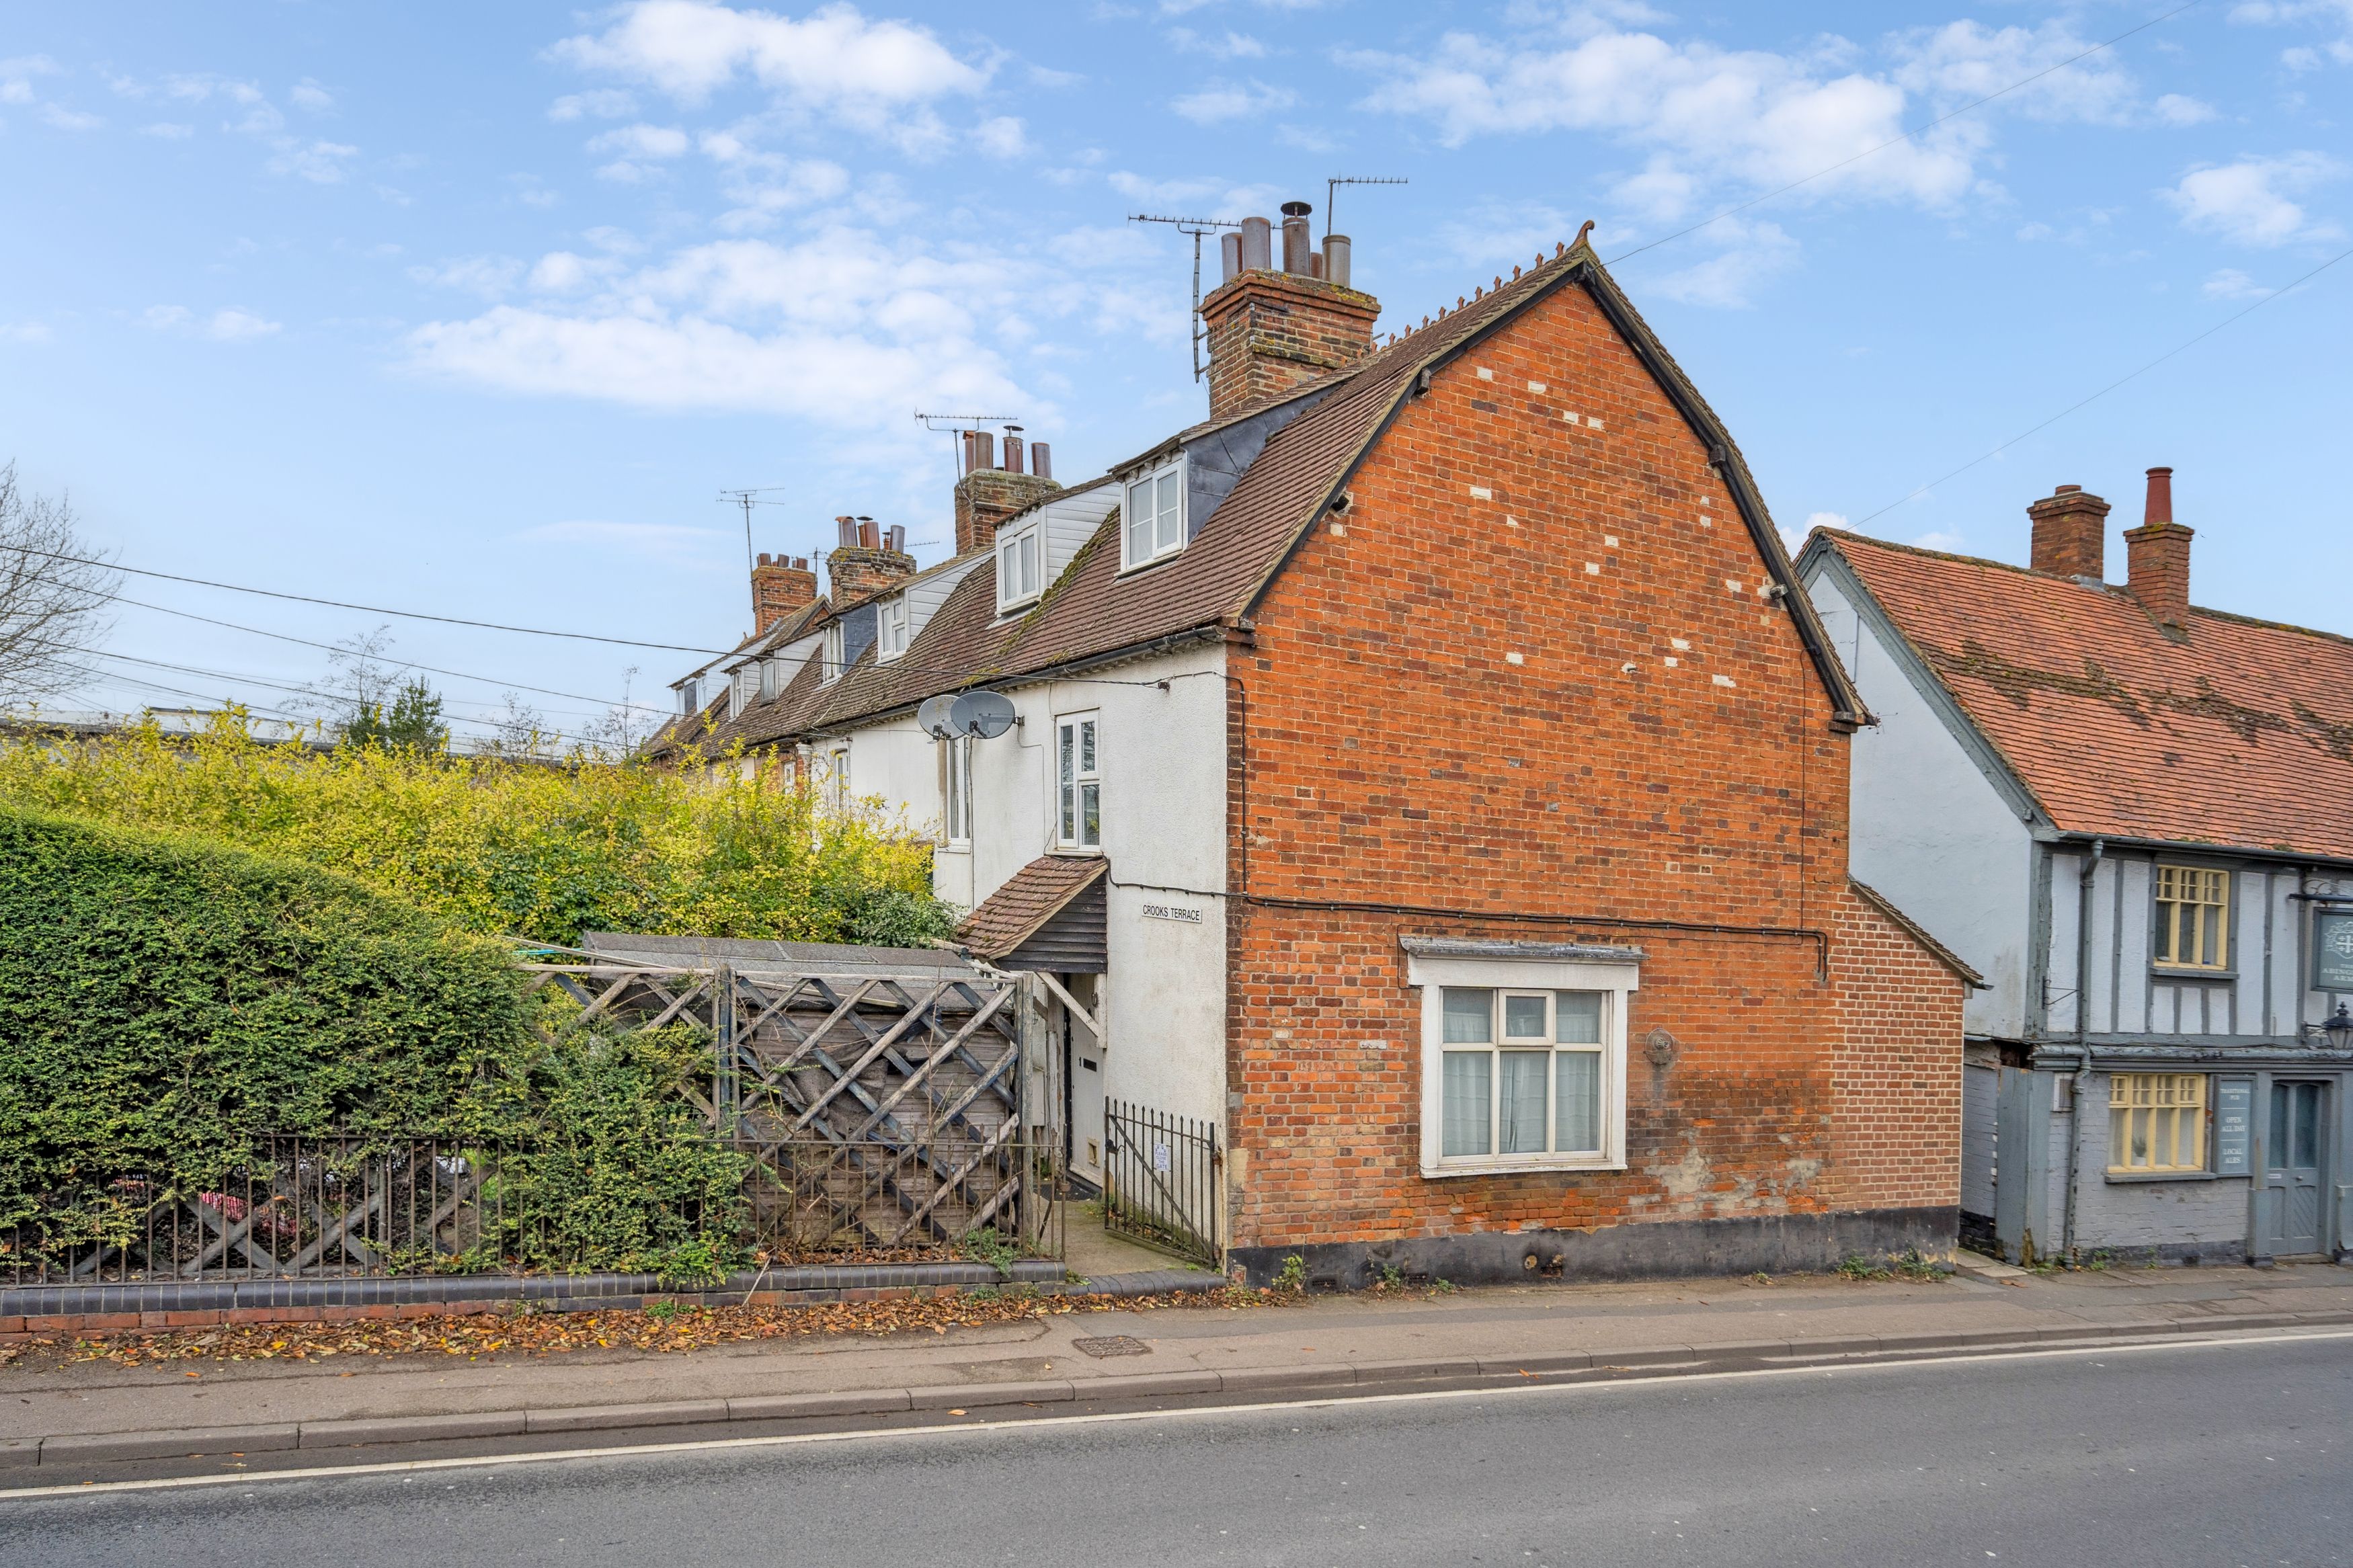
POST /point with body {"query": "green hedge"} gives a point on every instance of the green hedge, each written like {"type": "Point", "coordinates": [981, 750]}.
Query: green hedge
{"type": "Point", "coordinates": [164, 1002]}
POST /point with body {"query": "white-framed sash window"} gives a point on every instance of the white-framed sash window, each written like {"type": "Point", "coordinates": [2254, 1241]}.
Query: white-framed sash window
{"type": "Point", "coordinates": [956, 794]}
{"type": "Point", "coordinates": [836, 652]}
{"type": "Point", "coordinates": [1020, 566]}
{"type": "Point", "coordinates": [1077, 780]}
{"type": "Point", "coordinates": [891, 629]}
{"type": "Point", "coordinates": [1154, 515]}
{"type": "Point", "coordinates": [1523, 1057]}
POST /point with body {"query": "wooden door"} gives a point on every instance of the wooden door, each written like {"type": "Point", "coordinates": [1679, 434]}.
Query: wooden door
{"type": "Point", "coordinates": [2292, 1167]}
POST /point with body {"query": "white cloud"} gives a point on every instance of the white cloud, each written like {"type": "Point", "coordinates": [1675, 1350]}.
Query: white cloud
{"type": "Point", "coordinates": [846, 328]}
{"type": "Point", "coordinates": [493, 277]}
{"type": "Point", "coordinates": [1948, 542]}
{"type": "Point", "coordinates": [2173, 108]}
{"type": "Point", "coordinates": [1825, 520]}
{"type": "Point", "coordinates": [165, 131]}
{"type": "Point", "coordinates": [642, 142]}
{"type": "Point", "coordinates": [2230, 283]}
{"type": "Point", "coordinates": [60, 118]}
{"type": "Point", "coordinates": [307, 94]}
{"type": "Point", "coordinates": [1962, 61]}
{"type": "Point", "coordinates": [2250, 201]}
{"type": "Point", "coordinates": [227, 325]}
{"type": "Point", "coordinates": [1753, 255]}
{"type": "Point", "coordinates": [1001, 137]}
{"type": "Point", "coordinates": [1221, 101]}
{"type": "Point", "coordinates": [1227, 199]}
{"type": "Point", "coordinates": [761, 202]}
{"type": "Point", "coordinates": [603, 103]}
{"type": "Point", "coordinates": [322, 163]}
{"type": "Point", "coordinates": [1232, 46]}
{"type": "Point", "coordinates": [17, 77]}
{"type": "Point", "coordinates": [835, 57]}
{"type": "Point", "coordinates": [24, 332]}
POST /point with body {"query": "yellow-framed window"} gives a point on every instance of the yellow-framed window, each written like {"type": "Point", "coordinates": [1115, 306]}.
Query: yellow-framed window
{"type": "Point", "coordinates": [2156, 1121]}
{"type": "Point", "coordinates": [2193, 918]}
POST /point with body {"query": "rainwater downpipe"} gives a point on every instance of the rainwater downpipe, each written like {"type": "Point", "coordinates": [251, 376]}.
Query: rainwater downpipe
{"type": "Point", "coordinates": [2082, 1038]}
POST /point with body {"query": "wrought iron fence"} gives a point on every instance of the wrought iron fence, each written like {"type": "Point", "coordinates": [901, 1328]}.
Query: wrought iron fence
{"type": "Point", "coordinates": [1160, 1180]}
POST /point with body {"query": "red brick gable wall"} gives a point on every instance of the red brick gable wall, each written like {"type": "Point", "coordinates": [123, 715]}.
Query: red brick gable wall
{"type": "Point", "coordinates": [1436, 712]}
{"type": "Point", "coordinates": [1897, 1080]}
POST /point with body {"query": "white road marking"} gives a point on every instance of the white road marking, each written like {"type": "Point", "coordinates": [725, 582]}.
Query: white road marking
{"type": "Point", "coordinates": [1535, 1384]}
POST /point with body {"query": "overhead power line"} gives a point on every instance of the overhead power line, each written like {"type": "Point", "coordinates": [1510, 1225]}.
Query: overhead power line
{"type": "Point", "coordinates": [2094, 398]}
{"type": "Point", "coordinates": [1908, 135]}
{"type": "Point", "coordinates": [365, 609]}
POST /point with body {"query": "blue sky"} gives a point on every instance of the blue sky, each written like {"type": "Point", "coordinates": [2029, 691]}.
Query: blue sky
{"type": "Point", "coordinates": [476, 308]}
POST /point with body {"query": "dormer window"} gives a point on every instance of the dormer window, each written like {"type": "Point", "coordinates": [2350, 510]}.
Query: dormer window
{"type": "Point", "coordinates": [891, 629]}
{"type": "Point", "coordinates": [739, 690]}
{"type": "Point", "coordinates": [687, 693]}
{"type": "Point", "coordinates": [1154, 515]}
{"type": "Point", "coordinates": [833, 652]}
{"type": "Point", "coordinates": [772, 679]}
{"type": "Point", "coordinates": [1020, 567]}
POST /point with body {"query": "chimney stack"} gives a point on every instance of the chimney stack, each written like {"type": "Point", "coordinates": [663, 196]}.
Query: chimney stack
{"type": "Point", "coordinates": [987, 495]}
{"type": "Point", "coordinates": [2156, 554]}
{"type": "Point", "coordinates": [2070, 533]}
{"type": "Point", "coordinates": [1270, 329]}
{"type": "Point", "coordinates": [866, 561]}
{"type": "Point", "coordinates": [781, 586]}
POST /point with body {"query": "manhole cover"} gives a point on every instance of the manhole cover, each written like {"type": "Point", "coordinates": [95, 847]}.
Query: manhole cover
{"type": "Point", "coordinates": [1114, 1345]}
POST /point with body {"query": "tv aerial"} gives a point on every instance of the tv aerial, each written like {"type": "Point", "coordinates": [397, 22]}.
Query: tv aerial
{"type": "Point", "coordinates": [1199, 228]}
{"type": "Point", "coordinates": [1331, 189]}
{"type": "Point", "coordinates": [956, 424]}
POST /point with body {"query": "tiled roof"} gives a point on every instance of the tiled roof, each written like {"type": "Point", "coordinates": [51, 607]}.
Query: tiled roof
{"type": "Point", "coordinates": [2233, 733]}
{"type": "Point", "coordinates": [1095, 610]}
{"type": "Point", "coordinates": [1033, 895]}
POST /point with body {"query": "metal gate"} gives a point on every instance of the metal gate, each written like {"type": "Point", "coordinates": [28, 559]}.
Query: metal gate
{"type": "Point", "coordinates": [1160, 1180]}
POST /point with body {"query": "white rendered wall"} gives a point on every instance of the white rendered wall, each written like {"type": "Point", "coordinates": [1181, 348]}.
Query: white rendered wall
{"type": "Point", "coordinates": [1928, 828]}
{"type": "Point", "coordinates": [1161, 757]}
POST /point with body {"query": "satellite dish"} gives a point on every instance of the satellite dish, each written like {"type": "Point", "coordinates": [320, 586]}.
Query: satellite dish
{"type": "Point", "coordinates": [933, 716]}
{"type": "Point", "coordinates": [987, 714]}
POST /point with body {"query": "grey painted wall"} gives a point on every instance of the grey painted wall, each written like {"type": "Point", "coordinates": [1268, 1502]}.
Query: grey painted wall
{"type": "Point", "coordinates": [2261, 996]}
{"type": "Point", "coordinates": [1926, 826]}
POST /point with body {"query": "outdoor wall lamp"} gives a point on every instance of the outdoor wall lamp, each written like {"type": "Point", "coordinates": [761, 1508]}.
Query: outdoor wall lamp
{"type": "Point", "coordinates": [2340, 1029]}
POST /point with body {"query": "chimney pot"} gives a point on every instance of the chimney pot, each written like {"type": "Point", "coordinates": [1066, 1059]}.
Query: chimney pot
{"type": "Point", "coordinates": [1042, 459]}
{"type": "Point", "coordinates": [1229, 255]}
{"type": "Point", "coordinates": [897, 538]}
{"type": "Point", "coordinates": [1257, 245]}
{"type": "Point", "coordinates": [779, 587]}
{"type": "Point", "coordinates": [1315, 264]}
{"type": "Point", "coordinates": [1012, 450]}
{"type": "Point", "coordinates": [1336, 255]}
{"type": "Point", "coordinates": [870, 537]}
{"type": "Point", "coordinates": [984, 448]}
{"type": "Point", "coordinates": [1298, 240]}
{"type": "Point", "coordinates": [2156, 556]}
{"type": "Point", "coordinates": [848, 529]}
{"type": "Point", "coordinates": [2070, 533]}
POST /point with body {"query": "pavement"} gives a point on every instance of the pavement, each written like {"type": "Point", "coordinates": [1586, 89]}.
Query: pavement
{"type": "Point", "coordinates": [2157, 1454]}
{"type": "Point", "coordinates": [64, 1421]}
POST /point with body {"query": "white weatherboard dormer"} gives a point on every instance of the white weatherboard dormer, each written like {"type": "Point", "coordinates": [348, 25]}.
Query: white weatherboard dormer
{"type": "Point", "coordinates": [1154, 515]}
{"type": "Point", "coordinates": [1523, 1054]}
{"type": "Point", "coordinates": [1021, 564]}
{"type": "Point", "coordinates": [1033, 549]}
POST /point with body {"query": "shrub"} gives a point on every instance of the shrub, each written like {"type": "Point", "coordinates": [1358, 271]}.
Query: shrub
{"type": "Point", "coordinates": [541, 851]}
{"type": "Point", "coordinates": [163, 1001]}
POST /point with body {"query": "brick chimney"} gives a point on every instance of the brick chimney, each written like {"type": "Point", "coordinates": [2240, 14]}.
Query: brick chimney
{"type": "Point", "coordinates": [780, 585]}
{"type": "Point", "coordinates": [986, 494]}
{"type": "Point", "coordinates": [865, 561]}
{"type": "Point", "coordinates": [2157, 554]}
{"type": "Point", "coordinates": [1272, 328]}
{"type": "Point", "coordinates": [2070, 533]}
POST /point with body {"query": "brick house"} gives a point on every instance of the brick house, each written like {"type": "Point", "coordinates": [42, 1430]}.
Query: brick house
{"type": "Point", "coordinates": [1424, 773]}
{"type": "Point", "coordinates": [2135, 816]}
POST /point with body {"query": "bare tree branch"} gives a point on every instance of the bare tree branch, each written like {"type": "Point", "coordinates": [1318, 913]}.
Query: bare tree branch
{"type": "Point", "coordinates": [52, 610]}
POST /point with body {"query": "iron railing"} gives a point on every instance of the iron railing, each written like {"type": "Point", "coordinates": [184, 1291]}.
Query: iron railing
{"type": "Point", "coordinates": [1161, 1181]}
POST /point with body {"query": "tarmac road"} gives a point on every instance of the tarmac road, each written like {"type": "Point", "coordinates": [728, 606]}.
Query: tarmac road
{"type": "Point", "coordinates": [2215, 1454]}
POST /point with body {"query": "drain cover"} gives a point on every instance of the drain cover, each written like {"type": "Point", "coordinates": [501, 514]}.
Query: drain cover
{"type": "Point", "coordinates": [1114, 1345]}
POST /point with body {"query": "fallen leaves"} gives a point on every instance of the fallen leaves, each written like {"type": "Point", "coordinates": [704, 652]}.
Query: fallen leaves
{"type": "Point", "coordinates": [527, 1331]}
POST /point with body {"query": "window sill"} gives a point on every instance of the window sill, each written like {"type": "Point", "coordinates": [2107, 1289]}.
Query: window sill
{"type": "Point", "coordinates": [1078, 851]}
{"type": "Point", "coordinates": [2219, 976]}
{"type": "Point", "coordinates": [1129, 571]}
{"type": "Point", "coordinates": [1018, 607]}
{"type": "Point", "coordinates": [1534, 1166]}
{"type": "Point", "coordinates": [2139, 1178]}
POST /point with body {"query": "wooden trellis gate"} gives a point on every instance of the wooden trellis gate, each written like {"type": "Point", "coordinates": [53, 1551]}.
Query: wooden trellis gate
{"type": "Point", "coordinates": [881, 1111]}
